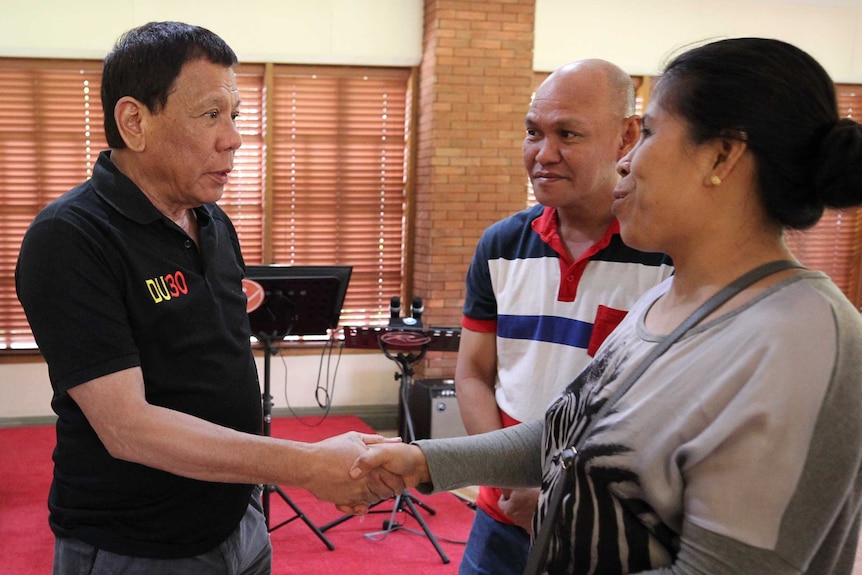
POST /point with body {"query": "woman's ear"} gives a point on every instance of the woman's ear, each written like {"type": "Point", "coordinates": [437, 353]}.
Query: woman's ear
{"type": "Point", "coordinates": [130, 116]}
{"type": "Point", "coordinates": [726, 155]}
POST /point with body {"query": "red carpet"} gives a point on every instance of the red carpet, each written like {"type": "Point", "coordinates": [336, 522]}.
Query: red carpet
{"type": "Point", "coordinates": [27, 542]}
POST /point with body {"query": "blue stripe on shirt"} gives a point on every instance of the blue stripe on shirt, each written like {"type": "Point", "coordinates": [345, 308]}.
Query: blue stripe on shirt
{"type": "Point", "coordinates": [551, 329]}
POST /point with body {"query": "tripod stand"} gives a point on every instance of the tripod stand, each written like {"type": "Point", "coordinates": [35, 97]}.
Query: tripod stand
{"type": "Point", "coordinates": [268, 490]}
{"type": "Point", "coordinates": [404, 348]}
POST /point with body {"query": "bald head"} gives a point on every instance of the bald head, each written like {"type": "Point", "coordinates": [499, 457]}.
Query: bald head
{"type": "Point", "coordinates": [592, 78]}
{"type": "Point", "coordinates": [579, 124]}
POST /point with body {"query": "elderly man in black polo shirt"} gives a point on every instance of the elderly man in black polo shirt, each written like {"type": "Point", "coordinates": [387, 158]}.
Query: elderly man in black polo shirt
{"type": "Point", "coordinates": [132, 285]}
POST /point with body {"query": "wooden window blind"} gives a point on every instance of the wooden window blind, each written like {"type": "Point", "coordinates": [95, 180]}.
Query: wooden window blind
{"type": "Point", "coordinates": [338, 177]}
{"type": "Point", "coordinates": [244, 196]}
{"type": "Point", "coordinates": [319, 178]}
{"type": "Point", "coordinates": [50, 136]}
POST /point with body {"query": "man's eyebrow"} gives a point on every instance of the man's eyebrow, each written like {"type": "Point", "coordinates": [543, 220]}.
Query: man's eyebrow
{"type": "Point", "coordinates": [219, 100]}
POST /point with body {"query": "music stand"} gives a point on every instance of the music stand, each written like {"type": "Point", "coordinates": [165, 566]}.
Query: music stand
{"type": "Point", "coordinates": [405, 346]}
{"type": "Point", "coordinates": [297, 300]}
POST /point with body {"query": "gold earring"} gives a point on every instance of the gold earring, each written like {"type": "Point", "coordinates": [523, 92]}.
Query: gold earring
{"type": "Point", "coordinates": [715, 180]}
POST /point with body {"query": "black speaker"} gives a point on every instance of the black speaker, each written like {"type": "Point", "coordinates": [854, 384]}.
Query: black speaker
{"type": "Point", "coordinates": [434, 409]}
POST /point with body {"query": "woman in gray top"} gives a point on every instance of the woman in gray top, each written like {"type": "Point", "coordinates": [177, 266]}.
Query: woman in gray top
{"type": "Point", "coordinates": [737, 451]}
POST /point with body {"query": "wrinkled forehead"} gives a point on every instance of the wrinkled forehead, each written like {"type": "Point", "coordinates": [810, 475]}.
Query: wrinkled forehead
{"type": "Point", "coordinates": [203, 80]}
{"type": "Point", "coordinates": [572, 108]}
{"type": "Point", "coordinates": [553, 110]}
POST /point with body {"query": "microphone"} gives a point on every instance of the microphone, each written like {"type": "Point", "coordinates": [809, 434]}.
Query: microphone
{"type": "Point", "coordinates": [395, 311]}
{"type": "Point", "coordinates": [416, 310]}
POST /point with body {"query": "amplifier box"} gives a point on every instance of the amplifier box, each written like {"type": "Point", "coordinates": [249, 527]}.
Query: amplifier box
{"type": "Point", "coordinates": [434, 409]}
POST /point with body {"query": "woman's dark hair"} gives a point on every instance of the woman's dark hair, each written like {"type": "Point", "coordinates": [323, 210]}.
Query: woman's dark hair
{"type": "Point", "coordinates": [146, 61]}
{"type": "Point", "coordinates": [782, 103]}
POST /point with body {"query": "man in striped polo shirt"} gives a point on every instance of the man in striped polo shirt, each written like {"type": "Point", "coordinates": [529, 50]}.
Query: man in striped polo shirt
{"type": "Point", "coordinates": [546, 285]}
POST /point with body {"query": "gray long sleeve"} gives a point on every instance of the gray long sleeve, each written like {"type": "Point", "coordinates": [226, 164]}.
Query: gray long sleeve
{"type": "Point", "coordinates": [510, 457]}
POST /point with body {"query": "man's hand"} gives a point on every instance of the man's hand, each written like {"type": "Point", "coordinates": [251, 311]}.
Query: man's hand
{"type": "Point", "coordinates": [331, 480]}
{"type": "Point", "coordinates": [397, 466]}
{"type": "Point", "coordinates": [520, 505]}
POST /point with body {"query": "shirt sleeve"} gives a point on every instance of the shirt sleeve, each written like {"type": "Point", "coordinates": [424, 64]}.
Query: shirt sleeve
{"type": "Point", "coordinates": [743, 471]}
{"type": "Point", "coordinates": [480, 302]}
{"type": "Point", "coordinates": [74, 303]}
{"type": "Point", "coordinates": [509, 457]}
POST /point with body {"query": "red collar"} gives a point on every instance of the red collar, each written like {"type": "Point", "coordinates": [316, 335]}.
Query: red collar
{"type": "Point", "coordinates": [547, 226]}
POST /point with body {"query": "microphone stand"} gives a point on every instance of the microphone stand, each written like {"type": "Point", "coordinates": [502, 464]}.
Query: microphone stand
{"type": "Point", "coordinates": [413, 344]}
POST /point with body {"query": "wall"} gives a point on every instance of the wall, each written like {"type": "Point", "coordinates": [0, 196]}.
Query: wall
{"type": "Point", "coordinates": [360, 380]}
{"type": "Point", "coordinates": [636, 34]}
{"type": "Point", "coordinates": [369, 32]}
{"type": "Point", "coordinates": [474, 82]}
{"type": "Point", "coordinates": [639, 35]}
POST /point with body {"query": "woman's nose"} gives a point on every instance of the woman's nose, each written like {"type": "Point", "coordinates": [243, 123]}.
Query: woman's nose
{"type": "Point", "coordinates": [624, 165]}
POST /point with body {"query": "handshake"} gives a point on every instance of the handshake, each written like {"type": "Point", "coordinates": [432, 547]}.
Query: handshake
{"type": "Point", "coordinates": [355, 470]}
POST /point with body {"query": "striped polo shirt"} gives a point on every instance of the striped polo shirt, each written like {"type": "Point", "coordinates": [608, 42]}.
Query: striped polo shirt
{"type": "Point", "coordinates": [549, 312]}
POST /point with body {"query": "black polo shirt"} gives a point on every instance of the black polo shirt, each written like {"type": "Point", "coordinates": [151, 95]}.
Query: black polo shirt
{"type": "Point", "coordinates": [108, 283]}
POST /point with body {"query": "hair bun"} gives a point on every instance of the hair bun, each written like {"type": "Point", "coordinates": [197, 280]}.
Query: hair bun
{"type": "Point", "coordinates": [838, 178]}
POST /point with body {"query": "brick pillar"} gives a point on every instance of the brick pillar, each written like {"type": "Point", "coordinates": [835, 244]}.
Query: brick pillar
{"type": "Point", "coordinates": [474, 88]}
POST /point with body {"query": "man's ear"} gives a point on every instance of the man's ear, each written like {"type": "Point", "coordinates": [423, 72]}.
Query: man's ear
{"type": "Point", "coordinates": [725, 157]}
{"type": "Point", "coordinates": [131, 116]}
{"type": "Point", "coordinates": [631, 135]}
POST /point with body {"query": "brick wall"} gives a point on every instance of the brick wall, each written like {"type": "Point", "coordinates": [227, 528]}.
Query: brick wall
{"type": "Point", "coordinates": [474, 87]}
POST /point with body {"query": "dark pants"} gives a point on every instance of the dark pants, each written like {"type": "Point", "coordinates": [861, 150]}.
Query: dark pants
{"type": "Point", "coordinates": [494, 548]}
{"type": "Point", "coordinates": [246, 552]}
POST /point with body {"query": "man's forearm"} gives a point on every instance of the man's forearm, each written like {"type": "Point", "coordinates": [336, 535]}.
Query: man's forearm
{"type": "Point", "coordinates": [478, 406]}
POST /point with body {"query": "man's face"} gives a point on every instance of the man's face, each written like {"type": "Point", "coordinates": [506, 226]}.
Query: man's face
{"type": "Point", "coordinates": [572, 142]}
{"type": "Point", "coordinates": [190, 143]}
